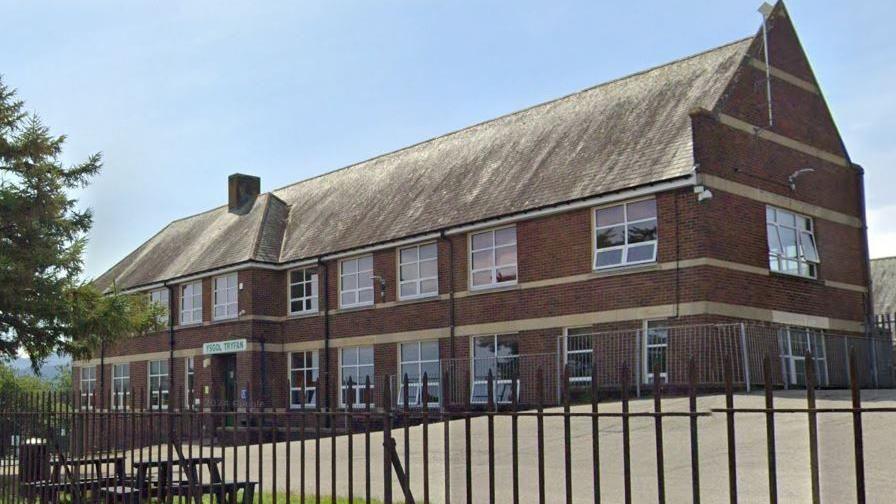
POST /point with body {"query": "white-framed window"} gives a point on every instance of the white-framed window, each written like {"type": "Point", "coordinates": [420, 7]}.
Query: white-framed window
{"type": "Point", "coordinates": [791, 243]}
{"type": "Point", "coordinates": [625, 234]}
{"type": "Point", "coordinates": [578, 353]}
{"type": "Point", "coordinates": [416, 359]}
{"type": "Point", "coordinates": [356, 363]}
{"type": "Point", "coordinates": [159, 297]}
{"type": "Point", "coordinates": [656, 349]}
{"type": "Point", "coordinates": [356, 282]}
{"type": "Point", "coordinates": [121, 386]}
{"type": "Point", "coordinates": [794, 342]}
{"type": "Point", "coordinates": [493, 259]}
{"type": "Point", "coordinates": [158, 384]}
{"type": "Point", "coordinates": [498, 354]}
{"type": "Point", "coordinates": [190, 381]}
{"type": "Point", "coordinates": [303, 377]}
{"type": "Point", "coordinates": [225, 297]}
{"type": "Point", "coordinates": [418, 271]}
{"type": "Point", "coordinates": [191, 303]}
{"type": "Point", "coordinates": [87, 386]}
{"type": "Point", "coordinates": [303, 287]}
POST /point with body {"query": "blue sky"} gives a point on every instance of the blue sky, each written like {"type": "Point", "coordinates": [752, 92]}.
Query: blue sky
{"type": "Point", "coordinates": [178, 95]}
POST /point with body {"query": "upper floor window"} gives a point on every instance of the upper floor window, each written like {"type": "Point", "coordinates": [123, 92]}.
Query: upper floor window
{"type": "Point", "coordinates": [303, 291]}
{"type": "Point", "coordinates": [418, 272]}
{"type": "Point", "coordinates": [160, 297]}
{"type": "Point", "coordinates": [791, 243]}
{"type": "Point", "coordinates": [356, 281]}
{"type": "Point", "coordinates": [493, 258]}
{"type": "Point", "coordinates": [625, 234]}
{"type": "Point", "coordinates": [88, 386]}
{"type": "Point", "coordinates": [121, 385]}
{"type": "Point", "coordinates": [191, 303]}
{"type": "Point", "coordinates": [225, 298]}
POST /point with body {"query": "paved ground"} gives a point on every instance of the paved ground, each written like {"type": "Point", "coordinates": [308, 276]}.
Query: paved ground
{"type": "Point", "coordinates": [836, 455]}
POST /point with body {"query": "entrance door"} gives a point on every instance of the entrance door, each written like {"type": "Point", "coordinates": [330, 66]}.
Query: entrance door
{"type": "Point", "coordinates": [227, 367]}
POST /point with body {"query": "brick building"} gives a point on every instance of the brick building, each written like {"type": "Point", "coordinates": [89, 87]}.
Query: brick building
{"type": "Point", "coordinates": [682, 195]}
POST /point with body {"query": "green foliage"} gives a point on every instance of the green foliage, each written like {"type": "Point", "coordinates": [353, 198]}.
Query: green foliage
{"type": "Point", "coordinates": [45, 306]}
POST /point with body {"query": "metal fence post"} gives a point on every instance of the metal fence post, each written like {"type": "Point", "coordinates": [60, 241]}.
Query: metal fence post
{"type": "Point", "coordinates": [874, 361]}
{"type": "Point", "coordinates": [639, 373]}
{"type": "Point", "coordinates": [745, 358]}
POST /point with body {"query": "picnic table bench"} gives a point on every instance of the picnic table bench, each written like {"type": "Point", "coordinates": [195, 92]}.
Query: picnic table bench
{"type": "Point", "coordinates": [66, 476]}
{"type": "Point", "coordinates": [142, 486]}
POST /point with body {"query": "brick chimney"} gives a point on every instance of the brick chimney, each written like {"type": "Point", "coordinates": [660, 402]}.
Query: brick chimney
{"type": "Point", "coordinates": [242, 191]}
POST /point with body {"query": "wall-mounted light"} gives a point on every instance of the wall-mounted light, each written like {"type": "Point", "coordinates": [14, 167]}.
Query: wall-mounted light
{"type": "Point", "coordinates": [791, 180]}
{"type": "Point", "coordinates": [382, 282]}
{"type": "Point", "coordinates": [703, 194]}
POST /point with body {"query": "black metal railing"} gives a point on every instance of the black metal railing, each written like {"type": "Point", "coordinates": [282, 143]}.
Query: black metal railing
{"type": "Point", "coordinates": [56, 448]}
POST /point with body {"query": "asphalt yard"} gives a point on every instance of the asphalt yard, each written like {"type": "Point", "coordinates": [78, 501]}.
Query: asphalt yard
{"type": "Point", "coordinates": [837, 473]}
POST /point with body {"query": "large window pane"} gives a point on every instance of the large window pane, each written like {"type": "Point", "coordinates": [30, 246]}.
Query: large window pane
{"type": "Point", "coordinates": [625, 234]}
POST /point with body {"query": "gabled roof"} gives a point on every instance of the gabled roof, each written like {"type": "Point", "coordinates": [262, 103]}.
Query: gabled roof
{"type": "Point", "coordinates": [624, 133]}
{"type": "Point", "coordinates": [883, 285]}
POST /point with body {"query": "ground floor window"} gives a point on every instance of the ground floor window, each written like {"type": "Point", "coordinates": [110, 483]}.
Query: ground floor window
{"type": "Point", "coordinates": [578, 353]}
{"type": "Point", "coordinates": [190, 382]}
{"type": "Point", "coordinates": [158, 384]}
{"type": "Point", "coordinates": [303, 377]}
{"type": "Point", "coordinates": [656, 350]}
{"type": "Point", "coordinates": [356, 364]}
{"type": "Point", "coordinates": [121, 384]}
{"type": "Point", "coordinates": [88, 386]}
{"type": "Point", "coordinates": [417, 359]}
{"type": "Point", "coordinates": [795, 342]}
{"type": "Point", "coordinates": [500, 355]}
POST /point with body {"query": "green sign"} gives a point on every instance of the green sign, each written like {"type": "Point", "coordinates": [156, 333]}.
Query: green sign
{"type": "Point", "coordinates": [218, 347]}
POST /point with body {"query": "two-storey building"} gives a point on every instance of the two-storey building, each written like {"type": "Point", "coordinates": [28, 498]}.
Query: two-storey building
{"type": "Point", "coordinates": [714, 189]}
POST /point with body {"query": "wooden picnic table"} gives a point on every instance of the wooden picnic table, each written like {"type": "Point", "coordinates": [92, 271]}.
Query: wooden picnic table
{"type": "Point", "coordinates": [143, 486]}
{"type": "Point", "coordinates": [66, 475]}
{"type": "Point", "coordinates": [97, 463]}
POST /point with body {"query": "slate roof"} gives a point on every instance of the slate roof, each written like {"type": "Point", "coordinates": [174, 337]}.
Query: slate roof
{"type": "Point", "coordinates": [883, 285]}
{"type": "Point", "coordinates": [624, 133]}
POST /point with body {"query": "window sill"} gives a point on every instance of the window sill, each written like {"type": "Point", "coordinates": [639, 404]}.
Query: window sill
{"type": "Point", "coordinates": [356, 308]}
{"type": "Point", "coordinates": [423, 299]}
{"type": "Point", "coordinates": [303, 315]}
{"type": "Point", "coordinates": [626, 270]}
{"type": "Point", "coordinates": [492, 290]}
{"type": "Point", "coordinates": [791, 276]}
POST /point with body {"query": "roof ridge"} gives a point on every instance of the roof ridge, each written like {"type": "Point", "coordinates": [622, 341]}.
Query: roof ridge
{"type": "Point", "coordinates": [262, 223]}
{"type": "Point", "coordinates": [516, 112]}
